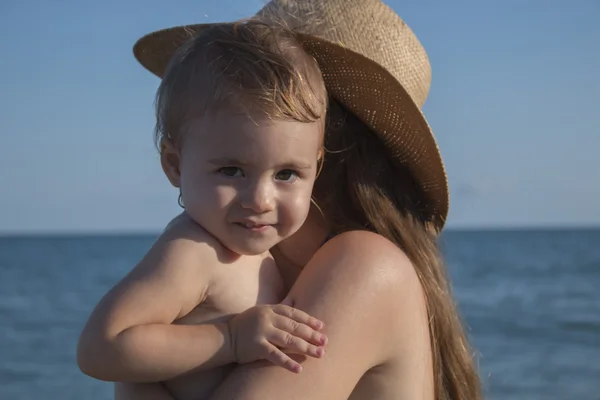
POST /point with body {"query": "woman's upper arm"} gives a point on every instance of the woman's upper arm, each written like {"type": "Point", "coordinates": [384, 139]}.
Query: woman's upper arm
{"type": "Point", "coordinates": [353, 284]}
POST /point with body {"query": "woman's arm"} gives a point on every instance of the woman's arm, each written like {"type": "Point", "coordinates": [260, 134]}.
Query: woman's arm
{"type": "Point", "coordinates": [142, 391]}
{"type": "Point", "coordinates": [364, 289]}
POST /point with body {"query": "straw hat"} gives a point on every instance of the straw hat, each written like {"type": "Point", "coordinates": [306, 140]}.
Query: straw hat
{"type": "Point", "coordinates": [372, 63]}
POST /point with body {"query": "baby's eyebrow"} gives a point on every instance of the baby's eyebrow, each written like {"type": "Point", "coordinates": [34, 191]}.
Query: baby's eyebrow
{"type": "Point", "coordinates": [227, 161]}
{"type": "Point", "coordinates": [294, 165]}
{"type": "Point", "coordinates": [241, 163]}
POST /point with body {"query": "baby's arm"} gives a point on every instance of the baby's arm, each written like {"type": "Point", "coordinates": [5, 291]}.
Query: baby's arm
{"type": "Point", "coordinates": [130, 336]}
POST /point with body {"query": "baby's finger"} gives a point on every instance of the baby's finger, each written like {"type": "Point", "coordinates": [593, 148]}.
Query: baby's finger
{"type": "Point", "coordinates": [278, 357]}
{"type": "Point", "coordinates": [299, 330]}
{"type": "Point", "coordinates": [298, 316]}
{"type": "Point", "coordinates": [294, 345]}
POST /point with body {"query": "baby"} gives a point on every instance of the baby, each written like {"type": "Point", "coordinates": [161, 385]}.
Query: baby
{"type": "Point", "coordinates": [240, 126]}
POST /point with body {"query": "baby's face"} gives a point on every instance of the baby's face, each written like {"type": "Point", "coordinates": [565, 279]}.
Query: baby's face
{"type": "Point", "coordinates": [247, 181]}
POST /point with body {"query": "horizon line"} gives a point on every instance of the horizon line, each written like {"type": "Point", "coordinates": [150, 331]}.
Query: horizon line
{"type": "Point", "coordinates": [457, 228]}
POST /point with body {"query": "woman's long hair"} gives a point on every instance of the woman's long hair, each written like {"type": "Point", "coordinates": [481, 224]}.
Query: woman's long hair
{"type": "Point", "coordinates": [361, 188]}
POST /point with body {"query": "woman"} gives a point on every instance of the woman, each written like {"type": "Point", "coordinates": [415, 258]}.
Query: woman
{"type": "Point", "coordinates": [366, 261]}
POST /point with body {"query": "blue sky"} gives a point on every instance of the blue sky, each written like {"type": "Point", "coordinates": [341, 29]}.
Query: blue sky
{"type": "Point", "coordinates": [514, 105]}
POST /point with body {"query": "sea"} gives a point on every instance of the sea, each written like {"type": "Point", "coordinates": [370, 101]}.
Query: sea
{"type": "Point", "coordinates": [530, 299]}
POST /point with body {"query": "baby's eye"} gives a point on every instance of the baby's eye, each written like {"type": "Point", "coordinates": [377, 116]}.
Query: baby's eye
{"type": "Point", "coordinates": [287, 175]}
{"type": "Point", "coordinates": [232, 172]}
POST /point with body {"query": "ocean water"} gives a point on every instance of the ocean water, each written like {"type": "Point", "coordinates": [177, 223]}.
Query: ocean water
{"type": "Point", "coordinates": [531, 300]}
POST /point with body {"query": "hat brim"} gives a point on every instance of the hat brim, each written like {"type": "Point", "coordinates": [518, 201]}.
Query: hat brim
{"type": "Point", "coordinates": [365, 88]}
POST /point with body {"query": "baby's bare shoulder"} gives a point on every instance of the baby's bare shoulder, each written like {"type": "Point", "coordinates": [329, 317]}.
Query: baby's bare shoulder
{"type": "Point", "coordinates": [184, 238]}
{"type": "Point", "coordinates": [184, 258]}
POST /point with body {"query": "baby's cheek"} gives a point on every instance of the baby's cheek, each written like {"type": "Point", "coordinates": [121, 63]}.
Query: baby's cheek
{"type": "Point", "coordinates": [208, 204]}
{"type": "Point", "coordinates": [297, 206]}
{"type": "Point", "coordinates": [203, 197]}
{"type": "Point", "coordinates": [223, 196]}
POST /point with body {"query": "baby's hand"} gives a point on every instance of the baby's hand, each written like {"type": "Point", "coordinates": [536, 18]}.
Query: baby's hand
{"type": "Point", "coordinates": [268, 332]}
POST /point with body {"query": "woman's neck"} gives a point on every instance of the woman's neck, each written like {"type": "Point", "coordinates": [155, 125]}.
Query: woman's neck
{"type": "Point", "coordinates": [296, 251]}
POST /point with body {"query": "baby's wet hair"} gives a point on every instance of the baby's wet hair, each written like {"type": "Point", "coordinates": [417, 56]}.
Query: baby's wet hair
{"type": "Point", "coordinates": [250, 66]}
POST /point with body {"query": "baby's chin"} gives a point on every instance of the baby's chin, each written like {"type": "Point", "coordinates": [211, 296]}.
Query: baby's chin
{"type": "Point", "coordinates": [252, 246]}
{"type": "Point", "coordinates": [248, 253]}
{"type": "Point", "coordinates": [250, 249]}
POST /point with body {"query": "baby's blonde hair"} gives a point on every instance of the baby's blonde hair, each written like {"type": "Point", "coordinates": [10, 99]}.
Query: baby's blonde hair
{"type": "Point", "coordinates": [250, 66]}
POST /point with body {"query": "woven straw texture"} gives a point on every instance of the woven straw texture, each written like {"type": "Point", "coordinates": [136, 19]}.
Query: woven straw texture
{"type": "Point", "coordinates": [372, 63]}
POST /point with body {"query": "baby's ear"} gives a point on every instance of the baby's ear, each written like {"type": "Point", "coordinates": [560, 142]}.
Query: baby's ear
{"type": "Point", "coordinates": [320, 160]}
{"type": "Point", "coordinates": [170, 161]}
{"type": "Point", "coordinates": [320, 153]}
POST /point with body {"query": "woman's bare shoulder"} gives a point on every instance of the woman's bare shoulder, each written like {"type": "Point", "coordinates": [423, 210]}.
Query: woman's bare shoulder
{"type": "Point", "coordinates": [367, 266]}
{"type": "Point", "coordinates": [367, 255]}
{"type": "Point", "coordinates": [364, 273]}
{"type": "Point", "coordinates": [392, 302]}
